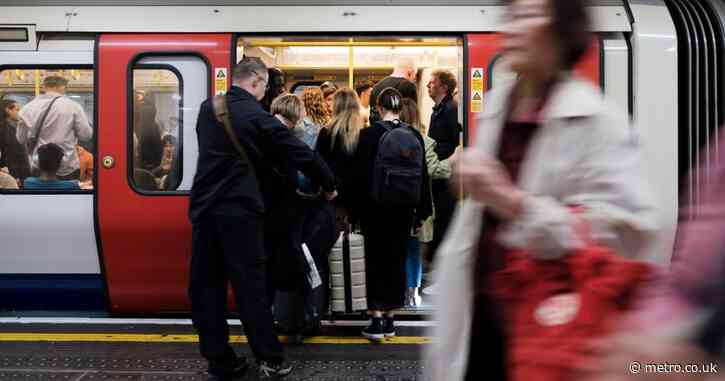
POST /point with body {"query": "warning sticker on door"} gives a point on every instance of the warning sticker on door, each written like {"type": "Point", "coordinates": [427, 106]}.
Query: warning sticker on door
{"type": "Point", "coordinates": [476, 89]}
{"type": "Point", "coordinates": [476, 101]}
{"type": "Point", "coordinates": [220, 80]}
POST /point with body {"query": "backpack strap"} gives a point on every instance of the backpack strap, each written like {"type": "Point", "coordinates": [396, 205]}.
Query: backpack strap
{"type": "Point", "coordinates": [221, 114]}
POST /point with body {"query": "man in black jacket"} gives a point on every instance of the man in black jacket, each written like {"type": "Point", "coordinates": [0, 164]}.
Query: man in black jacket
{"type": "Point", "coordinates": [228, 204]}
{"type": "Point", "coordinates": [445, 130]}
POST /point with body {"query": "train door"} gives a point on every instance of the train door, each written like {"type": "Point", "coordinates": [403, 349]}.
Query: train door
{"type": "Point", "coordinates": [150, 89]}
{"type": "Point", "coordinates": [49, 256]}
{"type": "Point", "coordinates": [485, 70]}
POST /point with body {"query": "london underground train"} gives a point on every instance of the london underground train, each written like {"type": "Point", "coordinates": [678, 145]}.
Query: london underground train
{"type": "Point", "coordinates": [122, 244]}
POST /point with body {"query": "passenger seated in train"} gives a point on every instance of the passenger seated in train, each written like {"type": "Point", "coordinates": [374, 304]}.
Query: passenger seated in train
{"type": "Point", "coordinates": [50, 157]}
{"type": "Point", "coordinates": [86, 164]}
{"type": "Point", "coordinates": [13, 155]}
{"type": "Point", "coordinates": [55, 118]}
{"type": "Point", "coordinates": [150, 152]}
{"type": "Point", "coordinates": [7, 181]}
{"type": "Point", "coordinates": [363, 90]}
{"type": "Point", "coordinates": [169, 145]}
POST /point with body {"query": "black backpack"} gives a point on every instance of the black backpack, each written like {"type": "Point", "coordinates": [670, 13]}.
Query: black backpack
{"type": "Point", "coordinates": [398, 169]}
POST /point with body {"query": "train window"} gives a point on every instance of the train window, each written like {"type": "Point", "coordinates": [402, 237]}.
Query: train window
{"type": "Point", "coordinates": [25, 93]}
{"type": "Point", "coordinates": [157, 106]}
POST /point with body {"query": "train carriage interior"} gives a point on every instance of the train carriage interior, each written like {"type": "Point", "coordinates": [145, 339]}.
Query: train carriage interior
{"type": "Point", "coordinates": [347, 60]}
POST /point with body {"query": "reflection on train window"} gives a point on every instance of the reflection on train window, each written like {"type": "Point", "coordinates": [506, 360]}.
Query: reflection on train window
{"type": "Point", "coordinates": [156, 125]}
{"type": "Point", "coordinates": [25, 89]}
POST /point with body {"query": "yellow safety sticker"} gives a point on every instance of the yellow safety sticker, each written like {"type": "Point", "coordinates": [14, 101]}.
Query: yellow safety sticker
{"type": "Point", "coordinates": [220, 80]}
{"type": "Point", "coordinates": [477, 74]}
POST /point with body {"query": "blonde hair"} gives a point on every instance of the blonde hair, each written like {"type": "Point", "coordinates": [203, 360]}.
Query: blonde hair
{"type": "Point", "coordinates": [289, 106]}
{"type": "Point", "coordinates": [315, 106]}
{"type": "Point", "coordinates": [347, 121]}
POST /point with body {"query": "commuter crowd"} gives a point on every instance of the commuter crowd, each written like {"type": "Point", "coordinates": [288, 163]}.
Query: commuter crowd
{"type": "Point", "coordinates": [535, 235]}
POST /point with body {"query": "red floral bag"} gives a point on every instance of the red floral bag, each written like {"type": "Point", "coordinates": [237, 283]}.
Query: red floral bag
{"type": "Point", "coordinates": [554, 308]}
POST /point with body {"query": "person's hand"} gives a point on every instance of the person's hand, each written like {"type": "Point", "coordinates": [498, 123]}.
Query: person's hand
{"type": "Point", "coordinates": [456, 154]}
{"type": "Point", "coordinates": [330, 195]}
{"type": "Point", "coordinates": [487, 181]}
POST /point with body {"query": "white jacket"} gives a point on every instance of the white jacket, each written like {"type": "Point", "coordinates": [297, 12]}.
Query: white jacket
{"type": "Point", "coordinates": [585, 153]}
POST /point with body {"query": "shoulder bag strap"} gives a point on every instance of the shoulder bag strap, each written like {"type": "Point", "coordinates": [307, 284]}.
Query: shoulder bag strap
{"type": "Point", "coordinates": [221, 114]}
{"type": "Point", "coordinates": [39, 126]}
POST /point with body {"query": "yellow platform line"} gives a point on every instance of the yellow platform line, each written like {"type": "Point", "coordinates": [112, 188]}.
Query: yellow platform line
{"type": "Point", "coordinates": [157, 338]}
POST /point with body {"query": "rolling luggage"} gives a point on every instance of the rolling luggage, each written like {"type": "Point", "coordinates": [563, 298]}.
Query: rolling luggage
{"type": "Point", "coordinates": [347, 274]}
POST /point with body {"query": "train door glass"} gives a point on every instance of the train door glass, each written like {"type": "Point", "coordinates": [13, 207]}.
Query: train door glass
{"type": "Point", "coordinates": [167, 93]}
{"type": "Point", "coordinates": [308, 61]}
{"type": "Point", "coordinates": [157, 109]}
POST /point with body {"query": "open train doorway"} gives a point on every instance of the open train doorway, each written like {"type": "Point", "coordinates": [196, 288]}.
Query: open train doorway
{"type": "Point", "coordinates": [340, 61]}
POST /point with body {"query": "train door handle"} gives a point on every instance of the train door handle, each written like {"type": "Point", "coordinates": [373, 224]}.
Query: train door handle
{"type": "Point", "coordinates": [108, 162]}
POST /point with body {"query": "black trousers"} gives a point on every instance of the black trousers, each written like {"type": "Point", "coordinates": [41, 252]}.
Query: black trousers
{"type": "Point", "coordinates": [445, 206]}
{"type": "Point", "coordinates": [231, 249]}
{"type": "Point", "coordinates": [487, 359]}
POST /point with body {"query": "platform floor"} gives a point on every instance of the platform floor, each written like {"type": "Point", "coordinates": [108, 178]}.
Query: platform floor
{"type": "Point", "coordinates": [146, 352]}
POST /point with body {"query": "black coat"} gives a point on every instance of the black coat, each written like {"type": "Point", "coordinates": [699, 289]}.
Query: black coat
{"type": "Point", "coordinates": [386, 229]}
{"type": "Point", "coordinates": [13, 155]}
{"type": "Point", "coordinates": [221, 182]}
{"type": "Point", "coordinates": [342, 164]}
{"type": "Point", "coordinates": [444, 127]}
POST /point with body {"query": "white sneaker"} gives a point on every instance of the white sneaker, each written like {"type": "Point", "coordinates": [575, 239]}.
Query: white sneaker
{"type": "Point", "coordinates": [416, 300]}
{"type": "Point", "coordinates": [430, 290]}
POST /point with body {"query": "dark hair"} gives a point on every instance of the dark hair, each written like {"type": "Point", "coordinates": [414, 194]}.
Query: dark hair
{"type": "Point", "coordinates": [447, 78]}
{"type": "Point", "coordinates": [390, 99]}
{"type": "Point", "coordinates": [49, 157]}
{"type": "Point", "coordinates": [275, 87]}
{"type": "Point", "coordinates": [4, 105]}
{"type": "Point", "coordinates": [571, 26]}
{"type": "Point", "coordinates": [363, 85]}
{"type": "Point", "coordinates": [169, 139]}
{"type": "Point", "coordinates": [248, 67]}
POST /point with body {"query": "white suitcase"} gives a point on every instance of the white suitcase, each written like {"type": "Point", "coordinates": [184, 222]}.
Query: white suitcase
{"type": "Point", "coordinates": [347, 274]}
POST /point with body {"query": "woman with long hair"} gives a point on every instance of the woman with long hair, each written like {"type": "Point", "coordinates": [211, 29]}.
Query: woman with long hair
{"type": "Point", "coordinates": [337, 144]}
{"type": "Point", "coordinates": [437, 169]}
{"type": "Point", "coordinates": [13, 155]}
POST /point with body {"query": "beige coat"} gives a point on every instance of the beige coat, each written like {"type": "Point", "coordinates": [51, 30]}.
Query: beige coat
{"type": "Point", "coordinates": [585, 154]}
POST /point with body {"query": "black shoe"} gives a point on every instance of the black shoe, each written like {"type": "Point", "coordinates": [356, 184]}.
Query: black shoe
{"type": "Point", "coordinates": [230, 371]}
{"type": "Point", "coordinates": [295, 339]}
{"type": "Point", "coordinates": [268, 369]}
{"type": "Point", "coordinates": [374, 331]}
{"type": "Point", "coordinates": [389, 327]}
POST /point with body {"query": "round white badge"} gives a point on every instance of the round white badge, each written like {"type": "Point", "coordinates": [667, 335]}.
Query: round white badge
{"type": "Point", "coordinates": [557, 310]}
